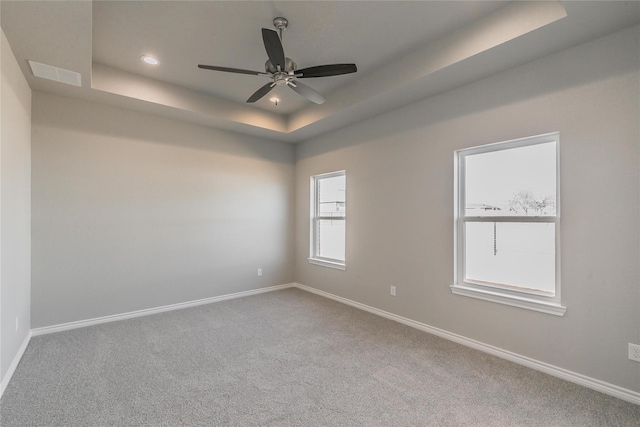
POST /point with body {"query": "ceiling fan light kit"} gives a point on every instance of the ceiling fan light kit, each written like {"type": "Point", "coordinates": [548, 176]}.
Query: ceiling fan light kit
{"type": "Point", "coordinates": [283, 71]}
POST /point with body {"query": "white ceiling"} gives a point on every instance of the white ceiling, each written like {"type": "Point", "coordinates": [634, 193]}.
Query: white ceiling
{"type": "Point", "coordinates": [229, 34]}
{"type": "Point", "coordinates": [405, 51]}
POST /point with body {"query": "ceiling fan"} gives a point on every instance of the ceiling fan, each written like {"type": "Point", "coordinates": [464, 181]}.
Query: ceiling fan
{"type": "Point", "coordinates": [283, 71]}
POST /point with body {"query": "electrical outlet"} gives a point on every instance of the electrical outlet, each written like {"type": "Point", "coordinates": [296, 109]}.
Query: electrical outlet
{"type": "Point", "coordinates": [634, 352]}
{"type": "Point", "coordinates": [393, 291]}
{"type": "Point", "coordinates": [259, 272]}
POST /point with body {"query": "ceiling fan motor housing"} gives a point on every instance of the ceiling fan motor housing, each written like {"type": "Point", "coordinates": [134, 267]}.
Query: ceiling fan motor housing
{"type": "Point", "coordinates": [289, 66]}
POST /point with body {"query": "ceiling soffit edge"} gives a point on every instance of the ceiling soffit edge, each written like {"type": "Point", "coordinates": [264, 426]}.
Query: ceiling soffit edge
{"type": "Point", "coordinates": [122, 83]}
{"type": "Point", "coordinates": [505, 24]}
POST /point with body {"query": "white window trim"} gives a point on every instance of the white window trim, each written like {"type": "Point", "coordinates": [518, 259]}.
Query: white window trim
{"type": "Point", "coordinates": [516, 298]}
{"type": "Point", "coordinates": [331, 264]}
{"type": "Point", "coordinates": [313, 219]}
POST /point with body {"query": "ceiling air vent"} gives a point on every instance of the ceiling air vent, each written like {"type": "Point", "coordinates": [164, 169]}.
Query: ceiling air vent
{"type": "Point", "coordinates": [56, 74]}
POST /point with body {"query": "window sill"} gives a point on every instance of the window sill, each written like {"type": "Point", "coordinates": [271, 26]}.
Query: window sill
{"type": "Point", "coordinates": [325, 263]}
{"type": "Point", "coordinates": [515, 301]}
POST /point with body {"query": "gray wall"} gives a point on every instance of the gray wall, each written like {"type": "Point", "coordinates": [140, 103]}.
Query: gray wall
{"type": "Point", "coordinates": [132, 211]}
{"type": "Point", "coordinates": [15, 208]}
{"type": "Point", "coordinates": [400, 206]}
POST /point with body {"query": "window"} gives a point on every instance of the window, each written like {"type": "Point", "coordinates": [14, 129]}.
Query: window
{"type": "Point", "coordinates": [507, 223]}
{"type": "Point", "coordinates": [328, 210]}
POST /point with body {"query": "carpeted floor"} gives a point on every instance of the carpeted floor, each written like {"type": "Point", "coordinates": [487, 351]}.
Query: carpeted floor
{"type": "Point", "coordinates": [285, 358]}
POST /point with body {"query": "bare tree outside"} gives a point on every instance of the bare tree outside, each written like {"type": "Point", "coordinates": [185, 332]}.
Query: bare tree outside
{"type": "Point", "coordinates": [525, 201]}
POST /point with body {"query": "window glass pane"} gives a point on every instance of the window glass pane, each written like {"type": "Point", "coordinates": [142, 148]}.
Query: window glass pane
{"type": "Point", "coordinates": [512, 254]}
{"type": "Point", "coordinates": [331, 239]}
{"type": "Point", "coordinates": [331, 196]}
{"type": "Point", "coordinates": [518, 181]}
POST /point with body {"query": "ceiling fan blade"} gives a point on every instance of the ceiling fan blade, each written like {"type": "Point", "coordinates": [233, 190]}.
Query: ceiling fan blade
{"type": "Point", "coordinates": [261, 92]}
{"type": "Point", "coordinates": [326, 70]}
{"type": "Point", "coordinates": [304, 90]}
{"type": "Point", "coordinates": [230, 70]}
{"type": "Point", "coordinates": [273, 46]}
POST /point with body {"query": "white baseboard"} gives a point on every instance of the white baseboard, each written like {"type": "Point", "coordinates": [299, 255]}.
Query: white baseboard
{"type": "Point", "coordinates": [14, 364]}
{"type": "Point", "coordinates": [583, 380]}
{"type": "Point", "coordinates": [155, 310]}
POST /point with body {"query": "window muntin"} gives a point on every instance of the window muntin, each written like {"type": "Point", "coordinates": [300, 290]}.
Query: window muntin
{"type": "Point", "coordinates": [328, 212]}
{"type": "Point", "coordinates": [507, 222]}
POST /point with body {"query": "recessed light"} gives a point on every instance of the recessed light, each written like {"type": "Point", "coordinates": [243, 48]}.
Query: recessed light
{"type": "Point", "coordinates": [150, 60]}
{"type": "Point", "coordinates": [275, 100]}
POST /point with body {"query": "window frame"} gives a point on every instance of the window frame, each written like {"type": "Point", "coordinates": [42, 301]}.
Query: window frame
{"type": "Point", "coordinates": [510, 296]}
{"type": "Point", "coordinates": [314, 258]}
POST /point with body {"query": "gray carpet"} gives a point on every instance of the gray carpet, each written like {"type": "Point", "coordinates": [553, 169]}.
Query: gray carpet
{"type": "Point", "coordinates": [286, 358]}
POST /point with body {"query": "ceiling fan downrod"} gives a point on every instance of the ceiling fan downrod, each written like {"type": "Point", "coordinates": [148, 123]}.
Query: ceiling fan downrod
{"type": "Point", "coordinates": [281, 24]}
